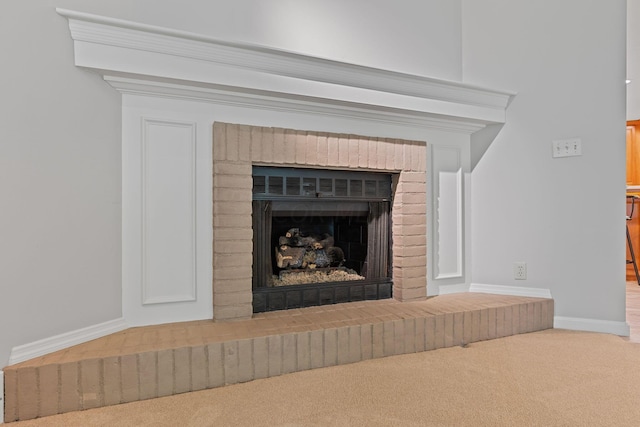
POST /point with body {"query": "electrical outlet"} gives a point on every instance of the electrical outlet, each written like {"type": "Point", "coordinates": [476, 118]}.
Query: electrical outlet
{"type": "Point", "coordinates": [567, 147]}
{"type": "Point", "coordinates": [520, 270]}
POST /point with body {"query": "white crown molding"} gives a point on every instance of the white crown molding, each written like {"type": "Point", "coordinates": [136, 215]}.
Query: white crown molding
{"type": "Point", "coordinates": [278, 102]}
{"type": "Point", "coordinates": [45, 346]}
{"type": "Point", "coordinates": [510, 290]}
{"type": "Point", "coordinates": [592, 325]}
{"type": "Point", "coordinates": [115, 47]}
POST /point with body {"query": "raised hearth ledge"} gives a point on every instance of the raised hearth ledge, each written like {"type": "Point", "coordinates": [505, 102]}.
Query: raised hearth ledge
{"type": "Point", "coordinates": [175, 85]}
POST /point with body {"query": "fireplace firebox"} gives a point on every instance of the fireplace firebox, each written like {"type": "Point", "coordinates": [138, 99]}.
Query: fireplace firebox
{"type": "Point", "coordinates": [320, 237]}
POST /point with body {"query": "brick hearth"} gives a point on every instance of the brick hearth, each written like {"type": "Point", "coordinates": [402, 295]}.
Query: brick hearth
{"type": "Point", "coordinates": [161, 360]}
{"type": "Point", "coordinates": [236, 148]}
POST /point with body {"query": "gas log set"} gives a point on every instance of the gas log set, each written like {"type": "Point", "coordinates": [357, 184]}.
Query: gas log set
{"type": "Point", "coordinates": [310, 258]}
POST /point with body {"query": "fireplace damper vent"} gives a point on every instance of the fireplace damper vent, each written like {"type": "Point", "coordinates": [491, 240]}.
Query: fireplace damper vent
{"type": "Point", "coordinates": [303, 216]}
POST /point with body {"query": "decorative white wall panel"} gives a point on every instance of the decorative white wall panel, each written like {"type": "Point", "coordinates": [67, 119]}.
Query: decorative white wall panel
{"type": "Point", "coordinates": [168, 211]}
{"type": "Point", "coordinates": [447, 225]}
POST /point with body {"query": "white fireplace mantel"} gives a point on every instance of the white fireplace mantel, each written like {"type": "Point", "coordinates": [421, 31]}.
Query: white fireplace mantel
{"type": "Point", "coordinates": [143, 58]}
{"type": "Point", "coordinates": [175, 84]}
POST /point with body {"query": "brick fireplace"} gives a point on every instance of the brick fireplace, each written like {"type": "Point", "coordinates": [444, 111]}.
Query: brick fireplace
{"type": "Point", "coordinates": [266, 107]}
{"type": "Point", "coordinates": [237, 148]}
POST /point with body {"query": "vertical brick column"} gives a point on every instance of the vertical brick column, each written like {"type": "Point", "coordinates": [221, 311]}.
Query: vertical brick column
{"type": "Point", "coordinates": [409, 237]}
{"type": "Point", "coordinates": [232, 233]}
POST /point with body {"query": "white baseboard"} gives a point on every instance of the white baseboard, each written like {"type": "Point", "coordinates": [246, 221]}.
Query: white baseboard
{"type": "Point", "coordinates": [592, 325]}
{"type": "Point", "coordinates": [68, 339]}
{"type": "Point", "coordinates": [510, 290]}
{"type": "Point", "coordinates": [453, 289]}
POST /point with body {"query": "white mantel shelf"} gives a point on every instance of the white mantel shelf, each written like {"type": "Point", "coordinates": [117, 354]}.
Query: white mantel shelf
{"type": "Point", "coordinates": [140, 58]}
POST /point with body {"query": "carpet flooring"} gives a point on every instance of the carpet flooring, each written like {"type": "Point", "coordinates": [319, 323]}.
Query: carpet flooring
{"type": "Point", "coordinates": [549, 378]}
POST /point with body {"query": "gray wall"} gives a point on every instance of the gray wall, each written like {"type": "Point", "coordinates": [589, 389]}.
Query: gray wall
{"type": "Point", "coordinates": [565, 216]}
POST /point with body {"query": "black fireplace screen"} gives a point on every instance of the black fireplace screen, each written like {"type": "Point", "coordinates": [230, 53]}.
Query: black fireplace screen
{"type": "Point", "coordinates": [319, 237]}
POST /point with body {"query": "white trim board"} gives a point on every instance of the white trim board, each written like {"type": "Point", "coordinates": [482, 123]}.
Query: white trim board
{"type": "Point", "coordinates": [510, 290]}
{"type": "Point", "coordinates": [592, 325]}
{"type": "Point", "coordinates": [58, 342]}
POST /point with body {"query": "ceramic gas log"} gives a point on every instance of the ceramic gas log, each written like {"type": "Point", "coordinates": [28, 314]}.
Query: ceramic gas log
{"type": "Point", "coordinates": [297, 250]}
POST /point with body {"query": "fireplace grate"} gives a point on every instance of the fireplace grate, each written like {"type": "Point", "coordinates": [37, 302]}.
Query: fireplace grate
{"type": "Point", "coordinates": [271, 183]}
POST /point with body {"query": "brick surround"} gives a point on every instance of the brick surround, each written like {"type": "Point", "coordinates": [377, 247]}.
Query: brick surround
{"type": "Point", "coordinates": [236, 148]}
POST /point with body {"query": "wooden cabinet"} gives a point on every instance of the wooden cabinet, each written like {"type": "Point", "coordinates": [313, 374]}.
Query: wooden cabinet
{"type": "Point", "coordinates": [633, 153]}
{"type": "Point", "coordinates": [633, 187]}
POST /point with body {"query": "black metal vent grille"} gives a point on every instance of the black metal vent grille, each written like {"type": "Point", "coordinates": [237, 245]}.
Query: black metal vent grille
{"type": "Point", "coordinates": [272, 183]}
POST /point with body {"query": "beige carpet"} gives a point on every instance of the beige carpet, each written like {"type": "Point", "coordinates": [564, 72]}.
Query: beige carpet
{"type": "Point", "coordinates": [549, 378]}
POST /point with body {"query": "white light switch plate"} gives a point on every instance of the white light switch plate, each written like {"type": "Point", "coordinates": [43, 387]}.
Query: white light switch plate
{"type": "Point", "coordinates": [567, 147]}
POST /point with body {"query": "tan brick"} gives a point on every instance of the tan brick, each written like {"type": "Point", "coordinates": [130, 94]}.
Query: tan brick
{"type": "Point", "coordinates": [275, 355]}
{"type": "Point", "coordinates": [372, 153]}
{"type": "Point", "coordinates": [279, 149]}
{"type": "Point", "coordinates": [366, 348]}
{"type": "Point", "coordinates": [232, 260]}
{"type": "Point", "coordinates": [260, 357]}
{"type": "Point", "coordinates": [301, 148]}
{"type": "Point", "coordinates": [333, 151]}
{"type": "Point", "coordinates": [244, 143]}
{"type": "Point", "coordinates": [69, 387]}
{"type": "Point", "coordinates": [241, 169]}
{"type": "Point", "coordinates": [363, 153]}
{"type": "Point", "coordinates": [243, 183]}
{"type": "Point", "coordinates": [354, 151]}
{"type": "Point", "coordinates": [400, 293]}
{"type": "Point", "coordinates": [398, 155]}
{"type": "Point", "coordinates": [430, 333]}
{"type": "Point", "coordinates": [508, 321]}
{"type": "Point", "coordinates": [10, 395]}
{"type": "Point", "coordinates": [515, 319]}
{"type": "Point", "coordinates": [316, 345]}
{"type": "Point", "coordinates": [230, 352]}
{"type": "Point", "coordinates": [232, 312]}
{"type": "Point", "coordinates": [377, 340]}
{"type": "Point", "coordinates": [410, 335]}
{"type": "Point", "coordinates": [228, 233]}
{"type": "Point", "coordinates": [199, 368]}
{"type": "Point", "coordinates": [148, 374]}
{"type": "Point", "coordinates": [255, 138]}
{"type": "Point", "coordinates": [27, 393]}
{"type": "Point", "coordinates": [418, 157]}
{"type": "Point", "coordinates": [234, 298]}
{"type": "Point", "coordinates": [231, 140]}
{"type": "Point", "coordinates": [245, 360]}
{"type": "Point", "coordinates": [219, 141]}
{"type": "Point", "coordinates": [111, 378]}
{"type": "Point", "coordinates": [129, 378]}
{"type": "Point", "coordinates": [231, 208]}
{"type": "Point", "coordinates": [303, 351]}
{"type": "Point", "coordinates": [547, 314]}
{"type": "Point", "coordinates": [330, 347]}
{"type": "Point", "coordinates": [343, 345]}
{"type": "Point", "coordinates": [524, 318]}
{"type": "Point", "coordinates": [323, 150]}
{"type": "Point", "coordinates": [289, 356]}
{"type": "Point", "coordinates": [231, 247]}
{"type": "Point", "coordinates": [388, 338]}
{"type": "Point", "coordinates": [390, 163]}
{"type": "Point", "coordinates": [398, 336]}
{"type": "Point", "coordinates": [343, 151]}
{"type": "Point", "coordinates": [215, 360]}
{"type": "Point", "coordinates": [448, 330]}
{"type": "Point", "coordinates": [90, 383]}
{"type": "Point", "coordinates": [439, 331]}
{"type": "Point", "coordinates": [48, 390]}
{"type": "Point", "coordinates": [411, 273]}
